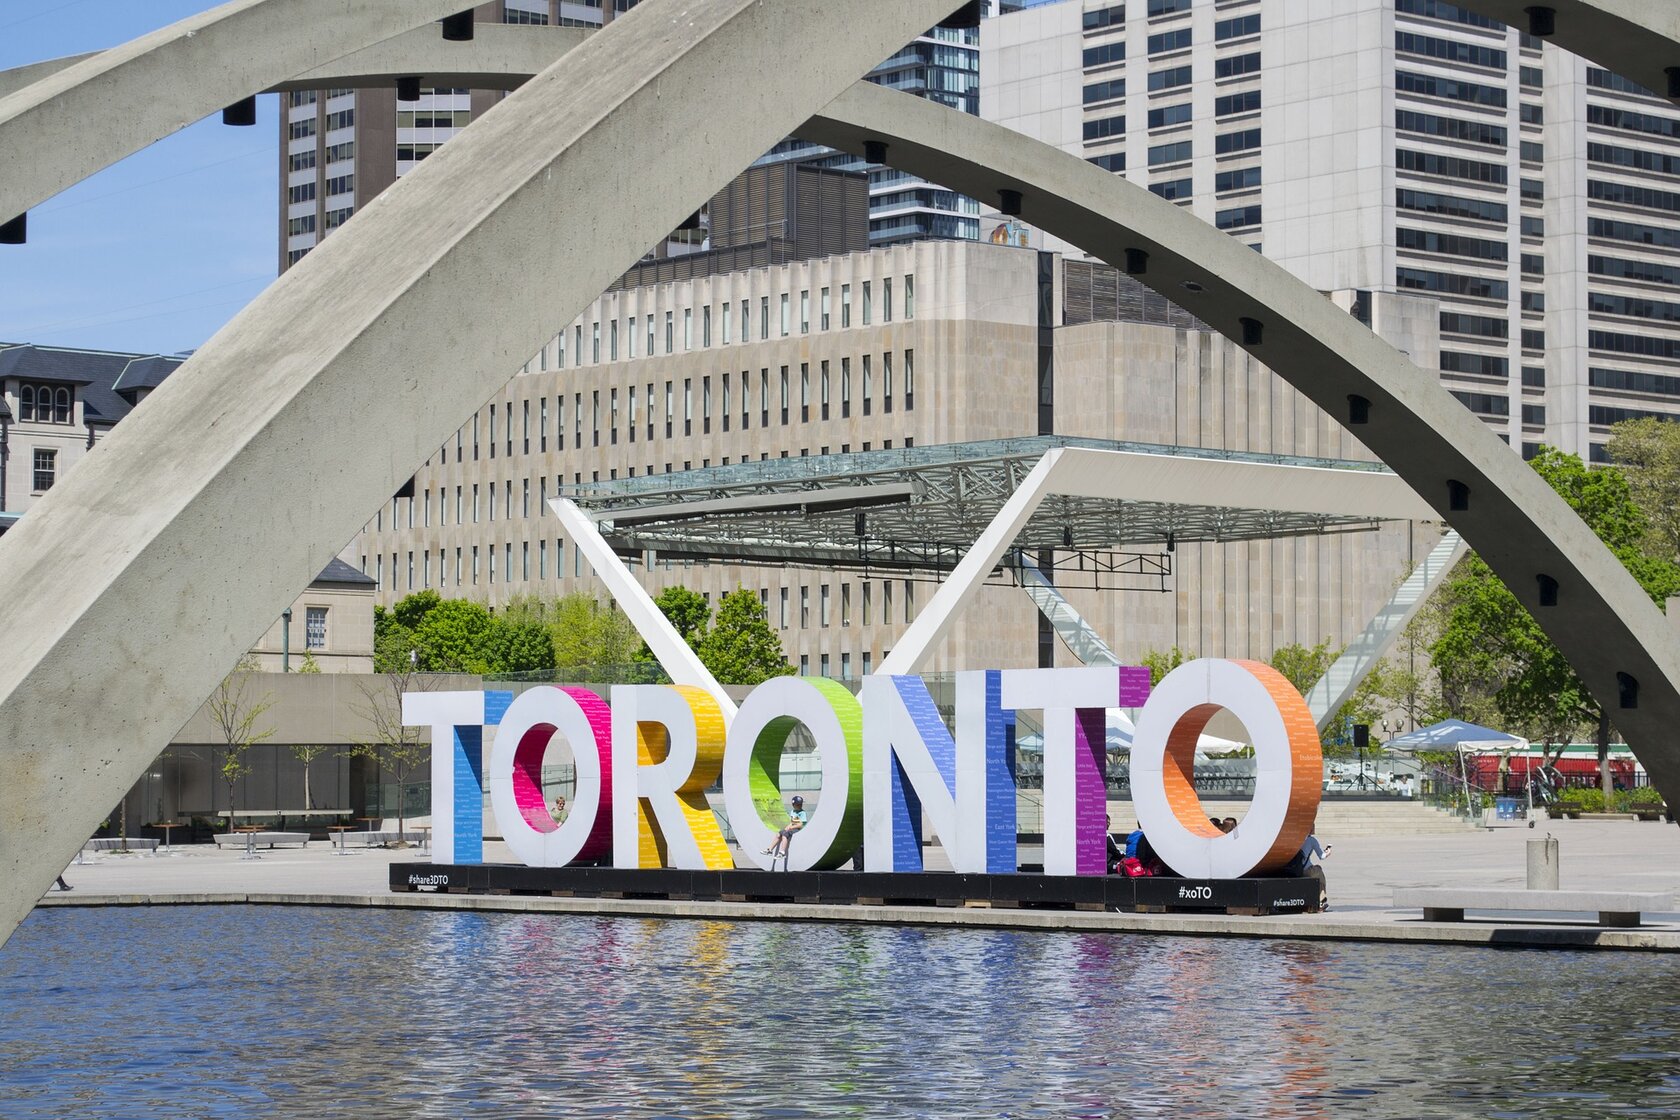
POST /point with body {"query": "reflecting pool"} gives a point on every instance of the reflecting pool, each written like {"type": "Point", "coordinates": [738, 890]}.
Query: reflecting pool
{"type": "Point", "coordinates": [244, 1011]}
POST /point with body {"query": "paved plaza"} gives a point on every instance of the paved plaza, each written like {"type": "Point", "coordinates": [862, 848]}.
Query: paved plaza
{"type": "Point", "coordinates": [1363, 871]}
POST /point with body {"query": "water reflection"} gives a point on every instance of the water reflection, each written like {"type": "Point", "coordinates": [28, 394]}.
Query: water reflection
{"type": "Point", "coordinates": [189, 1012]}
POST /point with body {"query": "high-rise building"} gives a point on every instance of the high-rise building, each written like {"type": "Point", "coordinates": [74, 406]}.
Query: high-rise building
{"type": "Point", "coordinates": [944, 66]}
{"type": "Point", "coordinates": [1413, 146]}
{"type": "Point", "coordinates": [340, 147]}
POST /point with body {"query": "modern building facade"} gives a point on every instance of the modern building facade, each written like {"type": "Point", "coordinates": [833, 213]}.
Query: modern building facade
{"type": "Point", "coordinates": [932, 342]}
{"type": "Point", "coordinates": [1388, 146]}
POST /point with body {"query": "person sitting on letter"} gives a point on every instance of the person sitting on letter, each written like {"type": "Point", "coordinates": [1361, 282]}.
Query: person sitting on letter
{"type": "Point", "coordinates": [796, 821]}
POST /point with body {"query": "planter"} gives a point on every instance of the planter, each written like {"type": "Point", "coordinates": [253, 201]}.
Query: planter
{"type": "Point", "coordinates": [1609, 816]}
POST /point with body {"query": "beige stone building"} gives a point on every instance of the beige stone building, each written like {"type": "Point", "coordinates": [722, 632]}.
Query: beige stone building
{"type": "Point", "coordinates": [901, 347]}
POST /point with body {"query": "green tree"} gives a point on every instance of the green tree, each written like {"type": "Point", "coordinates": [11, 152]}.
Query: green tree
{"type": "Point", "coordinates": [590, 640]}
{"type": "Point", "coordinates": [1647, 451]}
{"type": "Point", "coordinates": [456, 636]}
{"type": "Point", "coordinates": [1160, 664]}
{"type": "Point", "coordinates": [307, 753]}
{"type": "Point", "coordinates": [520, 647]}
{"type": "Point", "coordinates": [237, 710]}
{"type": "Point", "coordinates": [688, 611]}
{"type": "Point", "coordinates": [1491, 641]}
{"type": "Point", "coordinates": [308, 664]}
{"type": "Point", "coordinates": [741, 648]}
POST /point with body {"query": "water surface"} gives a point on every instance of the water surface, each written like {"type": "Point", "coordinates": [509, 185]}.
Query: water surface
{"type": "Point", "coordinates": [247, 1011]}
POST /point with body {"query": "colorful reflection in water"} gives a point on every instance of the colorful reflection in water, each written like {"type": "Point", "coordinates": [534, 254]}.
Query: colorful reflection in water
{"type": "Point", "coordinates": [233, 1011]}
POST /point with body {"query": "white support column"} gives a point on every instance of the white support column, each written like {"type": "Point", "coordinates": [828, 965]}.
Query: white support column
{"type": "Point", "coordinates": [1363, 653]}
{"type": "Point", "coordinates": [673, 654]}
{"type": "Point", "coordinates": [935, 619]}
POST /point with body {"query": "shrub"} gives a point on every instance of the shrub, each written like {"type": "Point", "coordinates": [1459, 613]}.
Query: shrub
{"type": "Point", "coordinates": [1583, 799]}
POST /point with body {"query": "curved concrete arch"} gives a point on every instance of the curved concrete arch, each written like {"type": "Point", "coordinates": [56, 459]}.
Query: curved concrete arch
{"type": "Point", "coordinates": [1603, 621]}
{"type": "Point", "coordinates": [258, 445]}
{"type": "Point", "coordinates": [207, 62]}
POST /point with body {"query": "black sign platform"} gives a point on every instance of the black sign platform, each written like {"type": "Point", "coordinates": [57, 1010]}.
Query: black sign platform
{"type": "Point", "coordinates": [931, 888]}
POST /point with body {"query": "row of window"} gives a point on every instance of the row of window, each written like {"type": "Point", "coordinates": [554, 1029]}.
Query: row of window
{"type": "Point", "coordinates": [1626, 194]}
{"type": "Point", "coordinates": [1451, 89]}
{"type": "Point", "coordinates": [45, 404]}
{"type": "Point", "coordinates": [1486, 326]}
{"type": "Point", "coordinates": [1429, 241]}
{"type": "Point", "coordinates": [1636, 158]}
{"type": "Point", "coordinates": [1450, 283]}
{"type": "Point", "coordinates": [866, 306]}
{"type": "Point", "coordinates": [434, 118]}
{"type": "Point", "coordinates": [1449, 50]}
{"type": "Point", "coordinates": [1483, 404]}
{"type": "Point", "coordinates": [1452, 128]}
{"type": "Point", "coordinates": [1630, 381]}
{"type": "Point", "coordinates": [1450, 13]}
{"type": "Point", "coordinates": [1237, 218]}
{"type": "Point", "coordinates": [1632, 231]}
{"type": "Point", "coordinates": [1481, 365]}
{"type": "Point", "coordinates": [1429, 202]}
{"type": "Point", "coordinates": [1604, 79]}
{"type": "Point", "coordinates": [1667, 349]}
{"type": "Point", "coordinates": [344, 118]}
{"type": "Point", "coordinates": [644, 409]}
{"type": "Point", "coordinates": [1647, 272]}
{"type": "Point", "coordinates": [1630, 121]}
{"type": "Point", "coordinates": [1432, 163]}
{"type": "Point", "coordinates": [1633, 306]}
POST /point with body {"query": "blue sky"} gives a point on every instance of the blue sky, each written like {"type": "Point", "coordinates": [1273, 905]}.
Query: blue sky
{"type": "Point", "coordinates": [156, 253]}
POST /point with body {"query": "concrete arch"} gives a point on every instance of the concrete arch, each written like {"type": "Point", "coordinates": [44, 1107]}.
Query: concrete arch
{"type": "Point", "coordinates": [257, 446]}
{"type": "Point", "coordinates": [278, 464]}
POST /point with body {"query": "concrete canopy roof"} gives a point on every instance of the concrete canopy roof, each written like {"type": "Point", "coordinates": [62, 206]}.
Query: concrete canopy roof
{"type": "Point", "coordinates": [922, 508]}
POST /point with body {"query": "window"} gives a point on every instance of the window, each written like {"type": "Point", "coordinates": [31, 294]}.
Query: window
{"type": "Point", "coordinates": [725, 323]}
{"type": "Point", "coordinates": [1243, 141]}
{"type": "Point", "coordinates": [1176, 152]}
{"type": "Point", "coordinates": [1636, 158]}
{"type": "Point", "coordinates": [303, 192]}
{"type": "Point", "coordinates": [1454, 322]}
{"type": "Point", "coordinates": [824, 613]}
{"type": "Point", "coordinates": [886, 382]}
{"type": "Point", "coordinates": [45, 404]}
{"type": "Point", "coordinates": [670, 331]}
{"type": "Point", "coordinates": [1236, 66]}
{"type": "Point", "coordinates": [1532, 153]}
{"type": "Point", "coordinates": [1113, 161]}
{"type": "Point", "coordinates": [822, 310]}
{"type": "Point", "coordinates": [688, 328]}
{"type": "Point", "coordinates": [706, 325]}
{"type": "Point", "coordinates": [763, 318]}
{"type": "Point", "coordinates": [46, 469]}
{"type": "Point", "coordinates": [784, 394]}
{"type": "Point", "coordinates": [1452, 13]}
{"type": "Point", "coordinates": [1611, 117]}
{"type": "Point", "coordinates": [1106, 127]}
{"type": "Point", "coordinates": [1484, 404]}
{"type": "Point", "coordinates": [845, 305]}
{"type": "Point", "coordinates": [1175, 40]}
{"type": "Point", "coordinates": [1482, 365]}
{"type": "Point", "coordinates": [1236, 28]}
{"type": "Point", "coordinates": [315, 618]}
{"type": "Point", "coordinates": [1172, 189]}
{"type": "Point", "coordinates": [886, 299]}
{"type": "Point", "coordinates": [1628, 195]}
{"type": "Point", "coordinates": [909, 383]}
{"type": "Point", "coordinates": [805, 608]}
{"type": "Point", "coordinates": [1112, 16]}
{"type": "Point", "coordinates": [1238, 180]}
{"type": "Point", "coordinates": [341, 184]}
{"type": "Point", "coordinates": [868, 304]}
{"type": "Point", "coordinates": [1238, 217]}
{"type": "Point", "coordinates": [845, 387]}
{"type": "Point", "coordinates": [868, 385]}
{"type": "Point", "coordinates": [1164, 8]}
{"type": "Point", "coordinates": [1105, 55]}
{"type": "Point", "coordinates": [822, 389]}
{"type": "Point", "coordinates": [805, 311]}
{"type": "Point", "coordinates": [1246, 102]}
{"type": "Point", "coordinates": [1164, 117]}
{"type": "Point", "coordinates": [1169, 79]}
{"type": "Point", "coordinates": [1110, 90]}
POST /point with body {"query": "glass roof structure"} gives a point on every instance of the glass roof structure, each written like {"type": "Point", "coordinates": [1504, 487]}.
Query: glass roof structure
{"type": "Point", "coordinates": [922, 508]}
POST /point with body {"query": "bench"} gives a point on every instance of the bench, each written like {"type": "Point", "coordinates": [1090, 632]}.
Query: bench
{"type": "Point", "coordinates": [359, 838]}
{"type": "Point", "coordinates": [261, 839]}
{"type": "Point", "coordinates": [1614, 908]}
{"type": "Point", "coordinates": [115, 844]}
